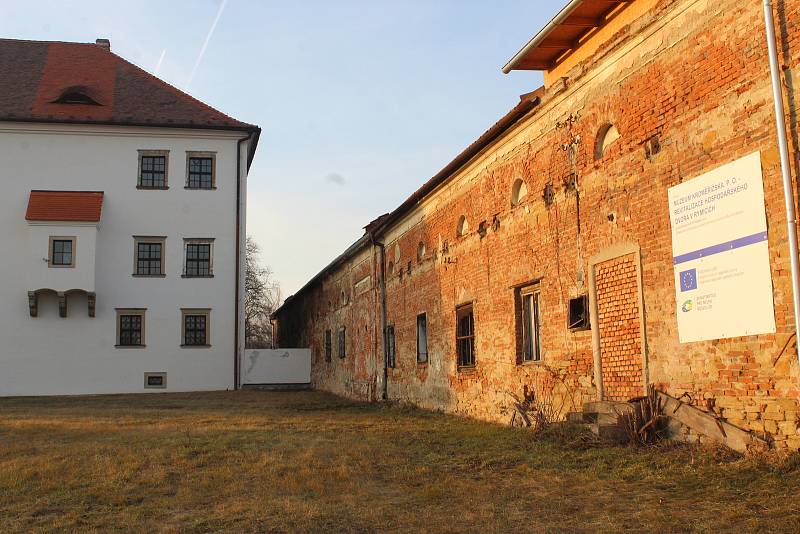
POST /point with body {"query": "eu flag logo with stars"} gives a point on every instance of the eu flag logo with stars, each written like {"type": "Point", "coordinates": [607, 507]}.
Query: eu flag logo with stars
{"type": "Point", "coordinates": [688, 280]}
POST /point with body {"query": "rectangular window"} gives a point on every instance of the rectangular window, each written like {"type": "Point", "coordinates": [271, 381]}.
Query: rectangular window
{"type": "Point", "coordinates": [465, 336]}
{"type": "Point", "coordinates": [530, 317]}
{"type": "Point", "coordinates": [200, 170]}
{"type": "Point", "coordinates": [62, 252]}
{"type": "Point", "coordinates": [153, 169]}
{"type": "Point", "coordinates": [328, 346]}
{"type": "Point", "coordinates": [422, 338]}
{"type": "Point", "coordinates": [195, 327]}
{"type": "Point", "coordinates": [155, 380]}
{"type": "Point", "coordinates": [130, 327]}
{"type": "Point", "coordinates": [148, 256]}
{"type": "Point", "coordinates": [579, 313]}
{"type": "Point", "coordinates": [342, 341]}
{"type": "Point", "coordinates": [391, 347]}
{"type": "Point", "coordinates": [198, 258]}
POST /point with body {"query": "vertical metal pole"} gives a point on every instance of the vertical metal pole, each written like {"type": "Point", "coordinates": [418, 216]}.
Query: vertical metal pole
{"type": "Point", "coordinates": [783, 146]}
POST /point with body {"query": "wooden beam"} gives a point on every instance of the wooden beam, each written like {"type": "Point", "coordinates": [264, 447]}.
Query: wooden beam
{"type": "Point", "coordinates": [711, 426]}
{"type": "Point", "coordinates": [581, 22]}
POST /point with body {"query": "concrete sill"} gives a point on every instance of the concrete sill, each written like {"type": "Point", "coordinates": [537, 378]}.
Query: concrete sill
{"type": "Point", "coordinates": [149, 275]}
{"type": "Point", "coordinates": [195, 346]}
{"type": "Point", "coordinates": [143, 188]}
{"type": "Point", "coordinates": [197, 276]}
{"type": "Point", "coordinates": [530, 363]}
{"type": "Point", "coordinates": [467, 369]}
{"type": "Point", "coordinates": [130, 346]}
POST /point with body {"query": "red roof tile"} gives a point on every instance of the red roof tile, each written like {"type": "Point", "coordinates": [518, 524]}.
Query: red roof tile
{"type": "Point", "coordinates": [35, 74]}
{"type": "Point", "coordinates": [70, 206]}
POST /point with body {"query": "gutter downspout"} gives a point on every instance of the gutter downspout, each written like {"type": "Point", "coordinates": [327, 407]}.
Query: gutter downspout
{"type": "Point", "coordinates": [241, 230]}
{"type": "Point", "coordinates": [788, 191]}
{"type": "Point", "coordinates": [382, 284]}
{"type": "Point", "coordinates": [542, 35]}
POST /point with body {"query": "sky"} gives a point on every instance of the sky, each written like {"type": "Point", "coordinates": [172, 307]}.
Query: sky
{"type": "Point", "coordinates": [359, 101]}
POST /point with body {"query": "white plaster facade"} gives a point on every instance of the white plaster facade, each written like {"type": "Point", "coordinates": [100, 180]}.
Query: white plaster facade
{"type": "Point", "coordinates": [76, 354]}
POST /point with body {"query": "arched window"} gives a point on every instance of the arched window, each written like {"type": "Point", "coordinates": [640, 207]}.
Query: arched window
{"type": "Point", "coordinates": [606, 137]}
{"type": "Point", "coordinates": [463, 226]}
{"type": "Point", "coordinates": [391, 267]}
{"type": "Point", "coordinates": [421, 250]}
{"type": "Point", "coordinates": [343, 298]}
{"type": "Point", "coordinates": [518, 192]}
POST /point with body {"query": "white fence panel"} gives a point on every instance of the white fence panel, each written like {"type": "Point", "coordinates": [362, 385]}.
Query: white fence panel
{"type": "Point", "coordinates": [276, 366]}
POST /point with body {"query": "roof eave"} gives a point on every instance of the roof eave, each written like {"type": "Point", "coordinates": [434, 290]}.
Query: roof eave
{"type": "Point", "coordinates": [542, 35]}
{"type": "Point", "coordinates": [490, 136]}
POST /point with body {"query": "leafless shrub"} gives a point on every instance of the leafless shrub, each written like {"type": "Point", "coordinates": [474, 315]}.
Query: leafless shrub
{"type": "Point", "coordinates": [546, 402]}
{"type": "Point", "coordinates": [646, 424]}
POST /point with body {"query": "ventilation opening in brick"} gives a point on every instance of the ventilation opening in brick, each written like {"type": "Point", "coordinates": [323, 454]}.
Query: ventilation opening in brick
{"type": "Point", "coordinates": [579, 313]}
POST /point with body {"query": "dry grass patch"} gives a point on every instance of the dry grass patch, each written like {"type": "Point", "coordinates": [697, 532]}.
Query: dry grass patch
{"type": "Point", "coordinates": [288, 462]}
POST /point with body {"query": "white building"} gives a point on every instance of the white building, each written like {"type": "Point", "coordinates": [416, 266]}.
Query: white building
{"type": "Point", "coordinates": [123, 227]}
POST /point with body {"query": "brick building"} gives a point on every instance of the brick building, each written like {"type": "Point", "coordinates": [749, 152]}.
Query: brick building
{"type": "Point", "coordinates": [541, 258]}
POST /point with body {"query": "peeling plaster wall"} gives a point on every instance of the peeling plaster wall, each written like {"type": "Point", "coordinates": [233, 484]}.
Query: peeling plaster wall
{"type": "Point", "coordinates": [687, 85]}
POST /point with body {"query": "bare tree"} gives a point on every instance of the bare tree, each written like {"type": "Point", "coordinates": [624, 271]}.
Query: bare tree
{"type": "Point", "coordinates": [262, 296]}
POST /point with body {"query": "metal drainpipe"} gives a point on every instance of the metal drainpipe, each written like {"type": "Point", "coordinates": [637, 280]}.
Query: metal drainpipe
{"type": "Point", "coordinates": [382, 284]}
{"type": "Point", "coordinates": [783, 146]}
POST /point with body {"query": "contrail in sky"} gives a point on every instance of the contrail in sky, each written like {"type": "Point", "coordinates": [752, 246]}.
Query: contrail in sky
{"type": "Point", "coordinates": [205, 43]}
{"type": "Point", "coordinates": [160, 61]}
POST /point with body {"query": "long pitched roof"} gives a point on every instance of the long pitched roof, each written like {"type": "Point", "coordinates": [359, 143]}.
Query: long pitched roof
{"type": "Point", "coordinates": [376, 228]}
{"type": "Point", "coordinates": [35, 76]}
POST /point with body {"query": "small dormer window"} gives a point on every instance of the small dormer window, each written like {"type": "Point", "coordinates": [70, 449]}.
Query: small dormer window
{"type": "Point", "coordinates": [76, 95]}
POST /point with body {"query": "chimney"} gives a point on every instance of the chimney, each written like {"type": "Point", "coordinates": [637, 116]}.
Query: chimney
{"type": "Point", "coordinates": [103, 43]}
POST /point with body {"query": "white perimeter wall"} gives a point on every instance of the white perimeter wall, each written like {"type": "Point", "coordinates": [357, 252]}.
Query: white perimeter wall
{"type": "Point", "coordinates": [50, 355]}
{"type": "Point", "coordinates": [276, 366]}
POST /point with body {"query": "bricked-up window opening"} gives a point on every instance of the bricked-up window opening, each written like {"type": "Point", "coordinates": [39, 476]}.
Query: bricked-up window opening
{"type": "Point", "coordinates": [200, 173]}
{"type": "Point", "coordinates": [391, 346]}
{"type": "Point", "coordinates": [148, 258]}
{"type": "Point", "coordinates": [530, 304]}
{"type": "Point", "coordinates": [579, 313]}
{"type": "Point", "coordinates": [342, 341]}
{"type": "Point", "coordinates": [463, 226]}
{"type": "Point", "coordinates": [421, 250]}
{"type": "Point", "coordinates": [61, 253]}
{"type": "Point", "coordinates": [606, 137]}
{"type": "Point", "coordinates": [130, 330]}
{"type": "Point", "coordinates": [518, 192]}
{"type": "Point", "coordinates": [422, 338]}
{"type": "Point", "coordinates": [328, 345]}
{"type": "Point", "coordinates": [465, 336]}
{"type": "Point", "coordinates": [154, 172]}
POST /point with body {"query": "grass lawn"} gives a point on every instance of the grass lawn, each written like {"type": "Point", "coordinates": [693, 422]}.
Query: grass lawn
{"type": "Point", "coordinates": [304, 461]}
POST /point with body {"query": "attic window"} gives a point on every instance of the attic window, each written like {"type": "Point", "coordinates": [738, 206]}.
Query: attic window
{"type": "Point", "coordinates": [76, 95]}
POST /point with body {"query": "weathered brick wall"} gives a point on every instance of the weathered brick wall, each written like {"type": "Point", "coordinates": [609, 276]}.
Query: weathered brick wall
{"type": "Point", "coordinates": [692, 75]}
{"type": "Point", "coordinates": [618, 324]}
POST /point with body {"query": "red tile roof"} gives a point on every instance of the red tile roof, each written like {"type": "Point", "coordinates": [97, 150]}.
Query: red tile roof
{"type": "Point", "coordinates": [35, 74]}
{"type": "Point", "coordinates": [68, 206]}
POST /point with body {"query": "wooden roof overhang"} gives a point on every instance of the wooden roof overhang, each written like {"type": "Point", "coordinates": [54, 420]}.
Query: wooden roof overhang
{"type": "Point", "coordinates": [569, 28]}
